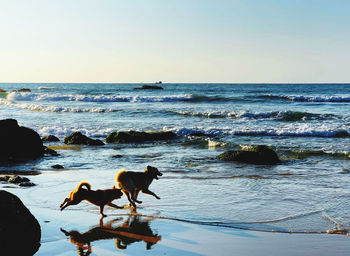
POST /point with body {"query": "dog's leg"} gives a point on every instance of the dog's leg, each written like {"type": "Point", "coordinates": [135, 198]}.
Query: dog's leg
{"type": "Point", "coordinates": [115, 206]}
{"type": "Point", "coordinates": [65, 201]}
{"type": "Point", "coordinates": [101, 211]}
{"type": "Point", "coordinates": [130, 201]}
{"type": "Point", "coordinates": [133, 197]}
{"type": "Point", "coordinates": [149, 192]}
{"type": "Point", "coordinates": [136, 193]}
{"type": "Point", "coordinates": [74, 202]}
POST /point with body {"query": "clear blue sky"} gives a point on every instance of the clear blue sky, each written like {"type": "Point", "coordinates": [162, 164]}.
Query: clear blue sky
{"type": "Point", "coordinates": [175, 41]}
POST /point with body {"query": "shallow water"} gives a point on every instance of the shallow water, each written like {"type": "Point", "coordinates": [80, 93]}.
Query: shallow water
{"type": "Point", "coordinates": [308, 126]}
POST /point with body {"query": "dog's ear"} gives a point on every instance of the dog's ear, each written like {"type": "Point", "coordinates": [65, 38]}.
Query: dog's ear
{"type": "Point", "coordinates": [113, 187]}
{"type": "Point", "coordinates": [148, 167]}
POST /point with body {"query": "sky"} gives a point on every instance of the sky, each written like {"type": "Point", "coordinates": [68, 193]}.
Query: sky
{"type": "Point", "coordinates": [223, 41]}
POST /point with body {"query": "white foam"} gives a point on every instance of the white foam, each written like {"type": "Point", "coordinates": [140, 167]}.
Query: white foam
{"type": "Point", "coordinates": [300, 131]}
{"type": "Point", "coordinates": [16, 96]}
{"type": "Point", "coordinates": [34, 107]}
{"type": "Point", "coordinates": [64, 131]}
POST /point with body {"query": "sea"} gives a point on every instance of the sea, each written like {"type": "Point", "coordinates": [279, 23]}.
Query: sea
{"type": "Point", "coordinates": [308, 125]}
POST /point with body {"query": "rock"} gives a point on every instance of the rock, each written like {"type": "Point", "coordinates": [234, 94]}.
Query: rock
{"type": "Point", "coordinates": [80, 139]}
{"type": "Point", "coordinates": [57, 166]}
{"type": "Point", "coordinates": [49, 151]}
{"type": "Point", "coordinates": [149, 87]}
{"type": "Point", "coordinates": [256, 155]}
{"type": "Point", "coordinates": [50, 138]}
{"type": "Point", "coordinates": [1, 91]}
{"type": "Point", "coordinates": [18, 143]}
{"type": "Point", "coordinates": [26, 184]}
{"type": "Point", "coordinates": [117, 156]}
{"type": "Point", "coordinates": [133, 136]}
{"type": "Point", "coordinates": [20, 232]}
{"type": "Point", "coordinates": [22, 90]}
{"type": "Point", "coordinates": [17, 179]}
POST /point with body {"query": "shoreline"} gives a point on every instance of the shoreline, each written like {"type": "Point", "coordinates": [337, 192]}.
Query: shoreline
{"type": "Point", "coordinates": [162, 235]}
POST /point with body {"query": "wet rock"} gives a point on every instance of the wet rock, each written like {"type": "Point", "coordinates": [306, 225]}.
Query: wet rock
{"type": "Point", "coordinates": [18, 143]}
{"type": "Point", "coordinates": [133, 136]}
{"type": "Point", "coordinates": [117, 156]}
{"type": "Point", "coordinates": [26, 184]}
{"type": "Point", "coordinates": [80, 139]}
{"type": "Point", "coordinates": [20, 232]}
{"type": "Point", "coordinates": [149, 87]}
{"type": "Point", "coordinates": [22, 90]}
{"type": "Point", "coordinates": [17, 179]}
{"type": "Point", "coordinates": [1, 91]}
{"type": "Point", "coordinates": [57, 166]}
{"type": "Point", "coordinates": [49, 151]}
{"type": "Point", "coordinates": [50, 138]}
{"type": "Point", "coordinates": [256, 155]}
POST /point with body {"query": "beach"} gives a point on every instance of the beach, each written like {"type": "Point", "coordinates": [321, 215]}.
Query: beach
{"type": "Point", "coordinates": [169, 237]}
{"type": "Point", "coordinates": [208, 205]}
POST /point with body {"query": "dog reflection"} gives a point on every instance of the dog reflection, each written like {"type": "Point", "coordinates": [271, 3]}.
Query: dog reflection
{"type": "Point", "coordinates": [133, 229]}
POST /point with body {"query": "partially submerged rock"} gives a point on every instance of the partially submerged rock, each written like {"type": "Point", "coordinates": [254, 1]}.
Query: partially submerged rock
{"type": "Point", "coordinates": [18, 143]}
{"type": "Point", "coordinates": [134, 136]}
{"type": "Point", "coordinates": [256, 155]}
{"type": "Point", "coordinates": [149, 87]}
{"type": "Point", "coordinates": [15, 179]}
{"type": "Point", "coordinates": [50, 138]}
{"type": "Point", "coordinates": [22, 90]}
{"type": "Point", "coordinates": [80, 139]}
{"type": "Point", "coordinates": [57, 166]}
{"type": "Point", "coordinates": [20, 232]}
{"type": "Point", "coordinates": [1, 91]}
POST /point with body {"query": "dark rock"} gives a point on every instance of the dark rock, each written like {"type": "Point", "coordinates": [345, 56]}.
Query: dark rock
{"type": "Point", "coordinates": [20, 232]}
{"type": "Point", "coordinates": [23, 90]}
{"type": "Point", "coordinates": [1, 91]}
{"type": "Point", "coordinates": [117, 156]}
{"type": "Point", "coordinates": [149, 87]}
{"type": "Point", "coordinates": [257, 155]}
{"type": "Point", "coordinates": [198, 134]}
{"type": "Point", "coordinates": [133, 136]}
{"type": "Point", "coordinates": [80, 139]}
{"type": "Point", "coordinates": [26, 184]}
{"type": "Point", "coordinates": [5, 178]}
{"type": "Point", "coordinates": [18, 143]}
{"type": "Point", "coordinates": [50, 138]}
{"type": "Point", "coordinates": [57, 166]}
{"type": "Point", "coordinates": [49, 151]}
{"type": "Point", "coordinates": [17, 179]}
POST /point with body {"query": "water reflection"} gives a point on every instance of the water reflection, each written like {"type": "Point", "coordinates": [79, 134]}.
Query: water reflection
{"type": "Point", "coordinates": [133, 229]}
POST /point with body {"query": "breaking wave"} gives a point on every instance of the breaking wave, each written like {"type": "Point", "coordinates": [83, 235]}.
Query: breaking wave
{"type": "Point", "coordinates": [287, 116]}
{"type": "Point", "coordinates": [339, 133]}
{"type": "Point", "coordinates": [308, 98]}
{"type": "Point", "coordinates": [34, 107]}
{"type": "Point", "coordinates": [16, 96]}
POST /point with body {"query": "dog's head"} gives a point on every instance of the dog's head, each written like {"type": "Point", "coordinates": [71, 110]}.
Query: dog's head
{"type": "Point", "coordinates": [153, 172]}
{"type": "Point", "coordinates": [117, 192]}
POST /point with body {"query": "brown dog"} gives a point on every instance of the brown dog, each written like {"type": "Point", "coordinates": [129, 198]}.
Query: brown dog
{"type": "Point", "coordinates": [131, 183]}
{"type": "Point", "coordinates": [96, 197]}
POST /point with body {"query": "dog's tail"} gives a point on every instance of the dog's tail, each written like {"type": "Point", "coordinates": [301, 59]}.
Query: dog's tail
{"type": "Point", "coordinates": [79, 187]}
{"type": "Point", "coordinates": [117, 178]}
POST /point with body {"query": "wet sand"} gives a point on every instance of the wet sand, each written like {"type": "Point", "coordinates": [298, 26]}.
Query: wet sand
{"type": "Point", "coordinates": [125, 232]}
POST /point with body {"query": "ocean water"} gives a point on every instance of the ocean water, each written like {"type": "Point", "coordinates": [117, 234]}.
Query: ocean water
{"type": "Point", "coordinates": [308, 125]}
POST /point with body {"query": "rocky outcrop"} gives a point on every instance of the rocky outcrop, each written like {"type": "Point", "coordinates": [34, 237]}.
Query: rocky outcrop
{"type": "Point", "coordinates": [134, 136]}
{"type": "Point", "coordinates": [15, 179]}
{"type": "Point", "coordinates": [50, 138]}
{"type": "Point", "coordinates": [22, 90]}
{"type": "Point", "coordinates": [255, 155]}
{"type": "Point", "coordinates": [20, 232]}
{"type": "Point", "coordinates": [57, 166]}
{"type": "Point", "coordinates": [18, 143]}
{"type": "Point", "coordinates": [149, 87]}
{"type": "Point", "coordinates": [79, 139]}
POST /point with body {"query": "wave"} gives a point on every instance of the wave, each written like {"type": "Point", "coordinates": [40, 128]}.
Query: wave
{"type": "Point", "coordinates": [63, 131]}
{"type": "Point", "coordinates": [17, 96]}
{"type": "Point", "coordinates": [47, 88]}
{"type": "Point", "coordinates": [34, 107]}
{"type": "Point", "coordinates": [288, 116]}
{"type": "Point", "coordinates": [183, 131]}
{"type": "Point", "coordinates": [302, 98]}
